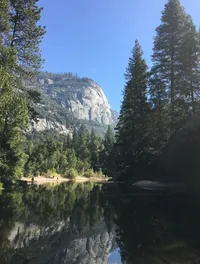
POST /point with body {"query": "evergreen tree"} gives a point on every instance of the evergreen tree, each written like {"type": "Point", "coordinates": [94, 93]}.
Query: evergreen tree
{"type": "Point", "coordinates": [94, 151]}
{"type": "Point", "coordinates": [52, 154]}
{"type": "Point", "coordinates": [109, 140]}
{"type": "Point", "coordinates": [190, 65]}
{"type": "Point", "coordinates": [68, 141]}
{"type": "Point", "coordinates": [75, 140]}
{"type": "Point", "coordinates": [168, 59]}
{"type": "Point", "coordinates": [25, 33]}
{"type": "Point", "coordinates": [158, 123]}
{"type": "Point", "coordinates": [174, 81]}
{"type": "Point", "coordinates": [13, 119]}
{"type": "Point", "coordinates": [71, 158]}
{"type": "Point", "coordinates": [4, 19]}
{"type": "Point", "coordinates": [20, 19]}
{"type": "Point", "coordinates": [131, 128]}
{"type": "Point", "coordinates": [63, 163]}
{"type": "Point", "coordinates": [107, 155]}
{"type": "Point", "coordinates": [19, 55]}
{"type": "Point", "coordinates": [82, 151]}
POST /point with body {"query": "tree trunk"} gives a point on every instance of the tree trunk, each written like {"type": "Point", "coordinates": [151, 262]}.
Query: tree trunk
{"type": "Point", "coordinates": [14, 30]}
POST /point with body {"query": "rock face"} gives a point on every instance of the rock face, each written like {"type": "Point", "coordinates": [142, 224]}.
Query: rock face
{"type": "Point", "coordinates": [90, 250]}
{"type": "Point", "coordinates": [21, 235]}
{"type": "Point", "coordinates": [59, 243]}
{"type": "Point", "coordinates": [43, 124]}
{"type": "Point", "coordinates": [81, 96]}
{"type": "Point", "coordinates": [91, 104]}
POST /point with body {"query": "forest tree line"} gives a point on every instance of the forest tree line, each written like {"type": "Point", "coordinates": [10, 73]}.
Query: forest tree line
{"type": "Point", "coordinates": [20, 61]}
{"type": "Point", "coordinates": [157, 102]}
{"type": "Point", "coordinates": [81, 153]}
{"type": "Point", "coordinates": [24, 153]}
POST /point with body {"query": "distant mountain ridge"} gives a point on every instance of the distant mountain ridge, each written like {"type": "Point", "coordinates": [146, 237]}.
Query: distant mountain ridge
{"type": "Point", "coordinates": [71, 101]}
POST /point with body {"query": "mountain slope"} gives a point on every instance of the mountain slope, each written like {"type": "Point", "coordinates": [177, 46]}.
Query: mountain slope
{"type": "Point", "coordinates": [72, 101]}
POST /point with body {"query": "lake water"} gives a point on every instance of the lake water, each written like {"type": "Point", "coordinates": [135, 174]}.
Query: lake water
{"type": "Point", "coordinates": [93, 223]}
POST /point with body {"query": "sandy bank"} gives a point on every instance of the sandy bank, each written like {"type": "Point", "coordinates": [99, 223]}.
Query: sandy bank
{"type": "Point", "coordinates": [44, 179]}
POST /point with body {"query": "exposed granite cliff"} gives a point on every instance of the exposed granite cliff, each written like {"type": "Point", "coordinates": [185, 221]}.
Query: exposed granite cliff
{"type": "Point", "coordinates": [91, 104]}
{"type": "Point", "coordinates": [43, 124]}
{"type": "Point", "coordinates": [81, 97]}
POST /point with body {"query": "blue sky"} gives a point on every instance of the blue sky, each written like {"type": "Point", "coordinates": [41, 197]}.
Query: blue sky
{"type": "Point", "coordinates": [93, 38]}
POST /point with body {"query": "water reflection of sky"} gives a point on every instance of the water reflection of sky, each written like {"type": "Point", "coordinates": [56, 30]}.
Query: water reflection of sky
{"type": "Point", "coordinates": [115, 257]}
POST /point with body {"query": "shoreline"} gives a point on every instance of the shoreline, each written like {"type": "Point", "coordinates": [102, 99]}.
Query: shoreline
{"type": "Point", "coordinates": [79, 179]}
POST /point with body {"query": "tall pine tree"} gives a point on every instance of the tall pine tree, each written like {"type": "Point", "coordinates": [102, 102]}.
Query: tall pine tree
{"type": "Point", "coordinates": [190, 66]}
{"type": "Point", "coordinates": [20, 37]}
{"type": "Point", "coordinates": [107, 155]}
{"type": "Point", "coordinates": [13, 118]}
{"type": "Point", "coordinates": [94, 151]}
{"type": "Point", "coordinates": [158, 123]}
{"type": "Point", "coordinates": [25, 33]}
{"type": "Point", "coordinates": [131, 128]}
{"type": "Point", "coordinates": [175, 61]}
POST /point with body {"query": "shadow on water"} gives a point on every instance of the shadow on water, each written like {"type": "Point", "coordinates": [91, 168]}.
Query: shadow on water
{"type": "Point", "coordinates": [156, 227]}
{"type": "Point", "coordinates": [93, 223]}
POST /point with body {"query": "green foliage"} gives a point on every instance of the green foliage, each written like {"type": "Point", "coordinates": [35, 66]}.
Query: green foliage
{"type": "Point", "coordinates": [89, 173]}
{"type": "Point", "coordinates": [175, 62]}
{"type": "Point", "coordinates": [81, 166]}
{"type": "Point", "coordinates": [174, 82]}
{"type": "Point", "coordinates": [20, 60]}
{"type": "Point", "coordinates": [100, 174]}
{"type": "Point", "coordinates": [52, 173]}
{"type": "Point", "coordinates": [71, 173]}
{"type": "Point", "coordinates": [107, 154]}
{"type": "Point", "coordinates": [95, 148]}
{"type": "Point", "coordinates": [131, 128]}
{"type": "Point", "coordinates": [13, 119]}
{"type": "Point", "coordinates": [49, 153]}
{"type": "Point", "coordinates": [76, 206]}
{"type": "Point", "coordinates": [20, 37]}
{"type": "Point", "coordinates": [158, 105]}
{"type": "Point", "coordinates": [4, 22]}
{"type": "Point", "coordinates": [26, 34]}
{"type": "Point", "coordinates": [109, 140]}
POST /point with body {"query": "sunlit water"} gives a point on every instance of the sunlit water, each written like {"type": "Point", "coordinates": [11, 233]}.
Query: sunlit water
{"type": "Point", "coordinates": [98, 224]}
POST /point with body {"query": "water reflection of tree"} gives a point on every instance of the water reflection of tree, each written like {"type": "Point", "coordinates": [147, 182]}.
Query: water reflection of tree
{"type": "Point", "coordinates": [150, 228]}
{"type": "Point", "coordinates": [156, 228]}
{"type": "Point", "coordinates": [75, 205]}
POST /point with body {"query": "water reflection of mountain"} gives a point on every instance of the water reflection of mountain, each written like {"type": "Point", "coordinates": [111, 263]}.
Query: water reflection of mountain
{"type": "Point", "coordinates": [83, 223]}
{"type": "Point", "coordinates": [61, 243]}
{"type": "Point", "coordinates": [50, 226]}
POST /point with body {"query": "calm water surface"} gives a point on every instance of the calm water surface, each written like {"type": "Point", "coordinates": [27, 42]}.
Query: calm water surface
{"type": "Point", "coordinates": [97, 224]}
